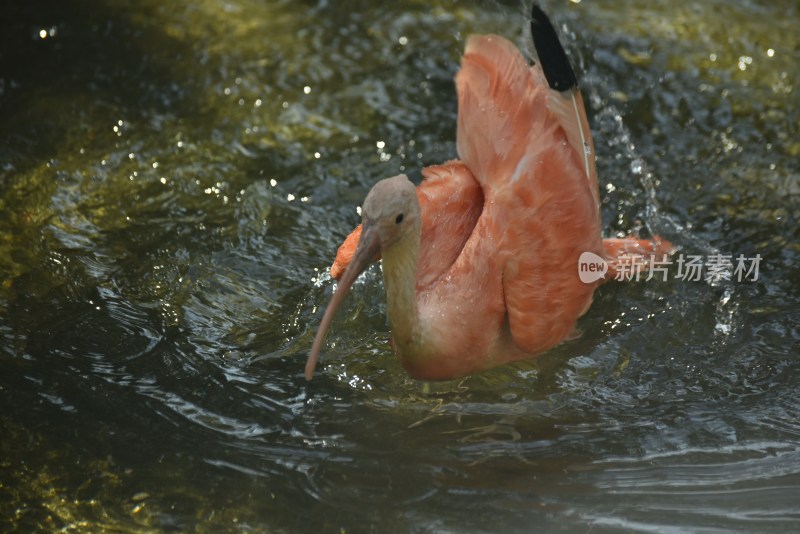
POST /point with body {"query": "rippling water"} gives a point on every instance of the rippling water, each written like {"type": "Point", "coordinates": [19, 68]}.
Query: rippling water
{"type": "Point", "coordinates": [174, 182]}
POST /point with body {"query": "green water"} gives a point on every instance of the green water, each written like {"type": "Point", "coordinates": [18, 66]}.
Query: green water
{"type": "Point", "coordinates": [175, 179]}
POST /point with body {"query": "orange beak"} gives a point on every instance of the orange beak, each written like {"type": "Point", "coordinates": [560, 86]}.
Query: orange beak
{"type": "Point", "coordinates": [367, 251]}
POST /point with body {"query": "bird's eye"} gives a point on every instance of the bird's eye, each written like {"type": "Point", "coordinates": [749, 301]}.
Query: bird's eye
{"type": "Point", "coordinates": [399, 219]}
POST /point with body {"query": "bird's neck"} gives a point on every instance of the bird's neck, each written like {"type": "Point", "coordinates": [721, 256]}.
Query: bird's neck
{"type": "Point", "coordinates": [399, 266]}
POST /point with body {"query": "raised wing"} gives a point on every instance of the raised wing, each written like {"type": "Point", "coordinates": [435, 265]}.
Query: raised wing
{"type": "Point", "coordinates": [564, 98]}
{"type": "Point", "coordinates": [527, 152]}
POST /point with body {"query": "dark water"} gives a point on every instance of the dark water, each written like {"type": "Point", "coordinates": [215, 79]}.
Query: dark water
{"type": "Point", "coordinates": [174, 181]}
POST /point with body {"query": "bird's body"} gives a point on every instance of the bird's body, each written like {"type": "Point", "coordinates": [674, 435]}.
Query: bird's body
{"type": "Point", "coordinates": [480, 262]}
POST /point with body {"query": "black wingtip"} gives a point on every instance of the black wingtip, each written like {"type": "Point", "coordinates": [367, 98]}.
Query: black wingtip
{"type": "Point", "coordinates": [553, 59]}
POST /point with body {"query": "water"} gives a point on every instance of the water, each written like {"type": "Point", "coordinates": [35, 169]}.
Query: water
{"type": "Point", "coordinates": [174, 181]}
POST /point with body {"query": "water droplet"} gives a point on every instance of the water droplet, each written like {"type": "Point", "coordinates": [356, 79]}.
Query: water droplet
{"type": "Point", "coordinates": [744, 61]}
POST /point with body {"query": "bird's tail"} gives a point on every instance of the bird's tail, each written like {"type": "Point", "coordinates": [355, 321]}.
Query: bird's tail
{"type": "Point", "coordinates": [628, 258]}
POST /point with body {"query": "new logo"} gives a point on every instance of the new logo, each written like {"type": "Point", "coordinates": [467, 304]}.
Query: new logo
{"type": "Point", "coordinates": [591, 267]}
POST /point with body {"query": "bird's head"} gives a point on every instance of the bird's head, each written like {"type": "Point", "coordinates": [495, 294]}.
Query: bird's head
{"type": "Point", "coordinates": [390, 212]}
{"type": "Point", "coordinates": [390, 217]}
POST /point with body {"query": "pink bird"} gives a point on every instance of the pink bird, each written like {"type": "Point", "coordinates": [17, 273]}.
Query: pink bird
{"type": "Point", "coordinates": [480, 262]}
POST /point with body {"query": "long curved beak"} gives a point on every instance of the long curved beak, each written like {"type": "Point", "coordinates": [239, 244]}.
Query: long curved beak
{"type": "Point", "coordinates": [369, 246]}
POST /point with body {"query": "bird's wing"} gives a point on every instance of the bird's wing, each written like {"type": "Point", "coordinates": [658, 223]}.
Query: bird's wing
{"type": "Point", "coordinates": [450, 202]}
{"type": "Point", "coordinates": [564, 97]}
{"type": "Point", "coordinates": [568, 108]}
{"type": "Point", "coordinates": [541, 210]}
{"type": "Point", "coordinates": [499, 109]}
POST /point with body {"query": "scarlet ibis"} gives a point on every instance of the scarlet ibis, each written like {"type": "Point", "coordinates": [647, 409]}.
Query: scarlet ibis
{"type": "Point", "coordinates": [480, 262]}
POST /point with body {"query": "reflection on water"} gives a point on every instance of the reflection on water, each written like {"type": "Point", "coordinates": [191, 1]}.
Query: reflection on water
{"type": "Point", "coordinates": [174, 181]}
